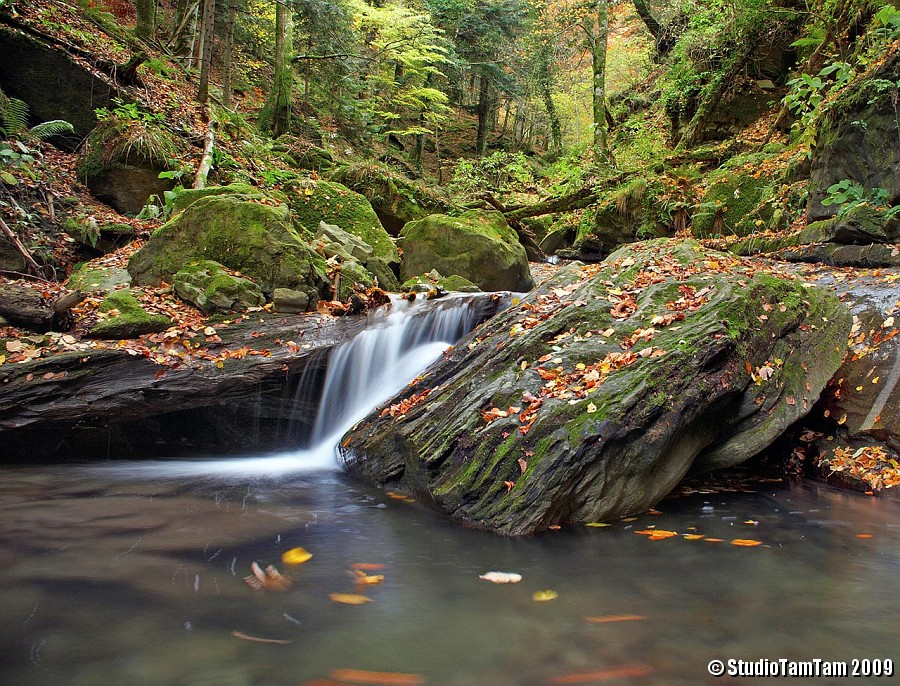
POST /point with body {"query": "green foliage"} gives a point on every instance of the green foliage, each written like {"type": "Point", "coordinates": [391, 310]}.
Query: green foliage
{"type": "Point", "coordinates": [807, 93]}
{"type": "Point", "coordinates": [128, 111]}
{"type": "Point", "coordinates": [849, 195]}
{"type": "Point", "coordinates": [163, 207]}
{"type": "Point", "coordinates": [14, 153]}
{"type": "Point", "coordinates": [500, 172]}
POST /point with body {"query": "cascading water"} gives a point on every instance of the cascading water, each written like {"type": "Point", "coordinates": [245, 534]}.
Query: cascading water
{"type": "Point", "coordinates": [396, 345]}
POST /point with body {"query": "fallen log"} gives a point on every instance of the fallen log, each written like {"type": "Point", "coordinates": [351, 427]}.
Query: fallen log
{"type": "Point", "coordinates": [31, 309]}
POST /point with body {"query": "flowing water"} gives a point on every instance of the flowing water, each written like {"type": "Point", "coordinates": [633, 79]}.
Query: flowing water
{"type": "Point", "coordinates": [131, 573]}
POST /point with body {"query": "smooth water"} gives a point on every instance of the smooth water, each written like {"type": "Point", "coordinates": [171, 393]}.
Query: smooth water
{"type": "Point", "coordinates": [108, 578]}
{"type": "Point", "coordinates": [132, 573]}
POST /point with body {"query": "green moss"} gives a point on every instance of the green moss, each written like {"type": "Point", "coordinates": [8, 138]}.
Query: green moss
{"type": "Point", "coordinates": [128, 318]}
{"type": "Point", "coordinates": [189, 196]}
{"type": "Point", "coordinates": [92, 278]}
{"type": "Point", "coordinates": [312, 202]}
{"type": "Point", "coordinates": [207, 285]}
{"type": "Point", "coordinates": [732, 205]}
{"type": "Point", "coordinates": [119, 143]}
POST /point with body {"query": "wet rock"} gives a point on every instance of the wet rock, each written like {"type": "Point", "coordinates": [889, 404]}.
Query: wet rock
{"type": "Point", "coordinates": [478, 245]}
{"type": "Point", "coordinates": [290, 301]}
{"type": "Point", "coordinates": [122, 317]}
{"type": "Point", "coordinates": [87, 277]}
{"type": "Point", "coordinates": [591, 400]}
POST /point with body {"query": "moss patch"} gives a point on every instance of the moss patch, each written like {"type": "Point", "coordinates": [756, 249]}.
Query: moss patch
{"type": "Point", "coordinates": [125, 318]}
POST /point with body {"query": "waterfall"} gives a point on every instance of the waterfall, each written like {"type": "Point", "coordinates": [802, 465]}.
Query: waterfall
{"type": "Point", "coordinates": [396, 346]}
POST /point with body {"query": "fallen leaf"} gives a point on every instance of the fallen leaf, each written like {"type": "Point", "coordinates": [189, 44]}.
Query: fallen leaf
{"type": "Point", "coordinates": [358, 676]}
{"type": "Point", "coordinates": [256, 639]}
{"type": "Point", "coordinates": [597, 524]}
{"type": "Point", "coordinates": [350, 598]}
{"type": "Point", "coordinates": [607, 619]}
{"type": "Point", "coordinates": [714, 540]}
{"type": "Point", "coordinates": [362, 578]}
{"type": "Point", "coordinates": [544, 596]}
{"type": "Point", "coordinates": [296, 556]}
{"type": "Point", "coordinates": [501, 577]}
{"type": "Point", "coordinates": [746, 542]}
{"type": "Point", "coordinates": [269, 579]}
{"type": "Point", "coordinates": [367, 566]}
{"type": "Point", "coordinates": [864, 535]}
{"type": "Point", "coordinates": [693, 537]}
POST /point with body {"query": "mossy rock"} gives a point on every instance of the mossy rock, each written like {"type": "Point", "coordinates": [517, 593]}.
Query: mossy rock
{"type": "Point", "coordinates": [122, 159]}
{"type": "Point", "coordinates": [627, 414]}
{"type": "Point", "coordinates": [87, 277]}
{"type": "Point", "coordinates": [189, 196]}
{"type": "Point", "coordinates": [763, 244]}
{"type": "Point", "coordinates": [335, 242]}
{"type": "Point", "coordinates": [128, 318]}
{"type": "Point", "coordinates": [207, 285]}
{"type": "Point", "coordinates": [246, 235]}
{"type": "Point", "coordinates": [478, 245]}
{"type": "Point", "coordinates": [433, 280]}
{"type": "Point", "coordinates": [353, 274]}
{"type": "Point", "coordinates": [312, 202]}
{"type": "Point", "coordinates": [395, 199]}
{"type": "Point", "coordinates": [732, 206]}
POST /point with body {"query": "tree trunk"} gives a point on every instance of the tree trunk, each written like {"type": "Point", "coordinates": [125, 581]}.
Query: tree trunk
{"type": "Point", "coordinates": [209, 20]}
{"type": "Point", "coordinates": [146, 19]}
{"type": "Point", "coordinates": [227, 89]}
{"type": "Point", "coordinates": [484, 95]}
{"type": "Point", "coordinates": [546, 83]}
{"type": "Point", "coordinates": [649, 20]}
{"type": "Point", "coordinates": [598, 54]}
{"type": "Point", "coordinates": [276, 113]}
{"type": "Point", "coordinates": [182, 43]}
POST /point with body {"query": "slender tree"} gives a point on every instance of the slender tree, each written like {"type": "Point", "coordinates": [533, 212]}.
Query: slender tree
{"type": "Point", "coordinates": [146, 19]}
{"type": "Point", "coordinates": [208, 25]}
{"type": "Point", "coordinates": [228, 49]}
{"type": "Point", "coordinates": [599, 38]}
{"type": "Point", "coordinates": [275, 115]}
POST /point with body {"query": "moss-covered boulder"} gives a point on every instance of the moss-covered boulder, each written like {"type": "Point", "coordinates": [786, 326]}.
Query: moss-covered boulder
{"type": "Point", "coordinates": [733, 205]}
{"type": "Point", "coordinates": [433, 280]}
{"type": "Point", "coordinates": [323, 201]}
{"type": "Point", "coordinates": [88, 277]}
{"type": "Point", "coordinates": [122, 159]}
{"type": "Point", "coordinates": [593, 397]}
{"type": "Point", "coordinates": [335, 242]}
{"type": "Point", "coordinates": [395, 199]}
{"type": "Point", "coordinates": [254, 237]}
{"type": "Point", "coordinates": [478, 245]}
{"type": "Point", "coordinates": [209, 286]}
{"type": "Point", "coordinates": [189, 196]}
{"type": "Point", "coordinates": [120, 316]}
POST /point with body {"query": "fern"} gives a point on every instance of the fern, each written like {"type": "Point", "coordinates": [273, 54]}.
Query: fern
{"type": "Point", "coordinates": [48, 129]}
{"type": "Point", "coordinates": [15, 117]}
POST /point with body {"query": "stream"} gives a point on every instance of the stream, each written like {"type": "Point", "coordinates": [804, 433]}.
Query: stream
{"type": "Point", "coordinates": [132, 572]}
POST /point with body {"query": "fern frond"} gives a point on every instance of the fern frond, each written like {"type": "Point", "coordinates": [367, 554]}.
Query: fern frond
{"type": "Point", "coordinates": [48, 129]}
{"type": "Point", "coordinates": [15, 117]}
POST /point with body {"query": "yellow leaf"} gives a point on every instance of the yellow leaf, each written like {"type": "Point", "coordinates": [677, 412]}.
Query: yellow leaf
{"type": "Point", "coordinates": [606, 619]}
{"type": "Point", "coordinates": [2, 359]}
{"type": "Point", "coordinates": [296, 556]}
{"type": "Point", "coordinates": [363, 578]}
{"type": "Point", "coordinates": [597, 524]}
{"type": "Point", "coordinates": [693, 537]}
{"type": "Point", "coordinates": [746, 542]}
{"type": "Point", "coordinates": [350, 598]}
{"type": "Point", "coordinates": [591, 407]}
{"type": "Point", "coordinates": [579, 366]}
{"type": "Point", "coordinates": [543, 596]}
{"type": "Point", "coordinates": [209, 331]}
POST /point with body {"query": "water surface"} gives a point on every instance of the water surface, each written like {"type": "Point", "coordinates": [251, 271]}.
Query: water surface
{"type": "Point", "coordinates": [132, 574]}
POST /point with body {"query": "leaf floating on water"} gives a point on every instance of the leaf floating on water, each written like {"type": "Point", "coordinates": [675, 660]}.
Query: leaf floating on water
{"type": "Point", "coordinates": [607, 619]}
{"type": "Point", "coordinates": [606, 675]}
{"type": "Point", "coordinates": [256, 639]}
{"type": "Point", "coordinates": [501, 577]}
{"type": "Point", "coordinates": [657, 534]}
{"type": "Point", "coordinates": [544, 596]}
{"type": "Point", "coordinates": [746, 542]}
{"type": "Point", "coordinates": [269, 579]}
{"type": "Point", "coordinates": [598, 524]}
{"type": "Point", "coordinates": [358, 676]}
{"type": "Point", "coordinates": [350, 598]}
{"type": "Point", "coordinates": [361, 577]}
{"type": "Point", "coordinates": [693, 537]}
{"type": "Point", "coordinates": [864, 535]}
{"type": "Point", "coordinates": [296, 556]}
{"type": "Point", "coordinates": [715, 540]}
{"type": "Point", "coordinates": [367, 566]}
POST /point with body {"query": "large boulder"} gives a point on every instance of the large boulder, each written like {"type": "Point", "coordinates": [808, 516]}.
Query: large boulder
{"type": "Point", "coordinates": [592, 398]}
{"type": "Point", "coordinates": [859, 140]}
{"type": "Point", "coordinates": [244, 234]}
{"type": "Point", "coordinates": [313, 202]}
{"type": "Point", "coordinates": [478, 245]}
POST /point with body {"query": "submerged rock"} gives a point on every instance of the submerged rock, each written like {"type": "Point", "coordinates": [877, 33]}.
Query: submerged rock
{"type": "Point", "coordinates": [478, 245]}
{"type": "Point", "coordinates": [595, 396]}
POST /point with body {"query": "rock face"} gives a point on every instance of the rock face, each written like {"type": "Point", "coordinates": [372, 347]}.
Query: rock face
{"type": "Point", "coordinates": [594, 396]}
{"type": "Point", "coordinates": [859, 140]}
{"type": "Point", "coordinates": [240, 232]}
{"type": "Point", "coordinates": [478, 245]}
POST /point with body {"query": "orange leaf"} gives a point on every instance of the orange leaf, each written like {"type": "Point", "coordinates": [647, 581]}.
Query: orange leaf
{"type": "Point", "coordinates": [714, 540]}
{"type": "Point", "coordinates": [606, 619]}
{"type": "Point", "coordinates": [349, 598]}
{"type": "Point", "coordinates": [367, 566]}
{"type": "Point", "coordinates": [606, 675]}
{"type": "Point", "coordinates": [864, 535]}
{"type": "Point", "coordinates": [358, 676]}
{"type": "Point", "coordinates": [746, 542]}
